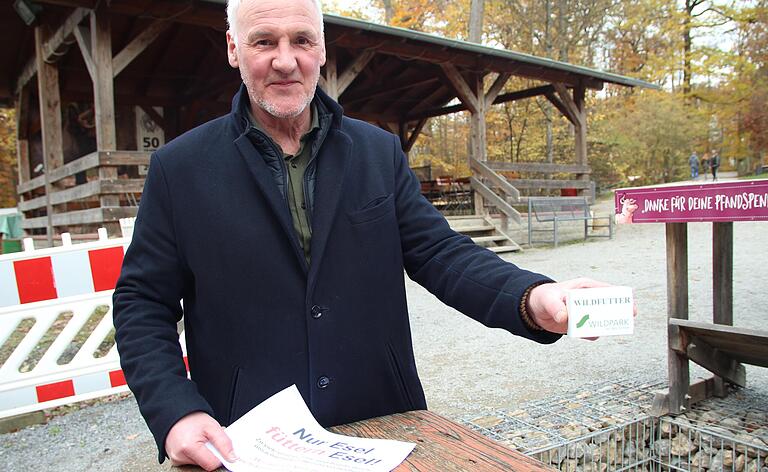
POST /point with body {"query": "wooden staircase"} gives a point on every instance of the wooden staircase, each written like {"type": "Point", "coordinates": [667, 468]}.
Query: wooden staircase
{"type": "Point", "coordinates": [483, 232]}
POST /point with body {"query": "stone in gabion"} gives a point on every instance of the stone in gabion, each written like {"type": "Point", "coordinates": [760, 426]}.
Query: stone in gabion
{"type": "Point", "coordinates": [662, 448]}
{"type": "Point", "coordinates": [681, 445]}
{"type": "Point", "coordinates": [731, 423]}
{"type": "Point", "coordinates": [751, 441]}
{"type": "Point", "coordinates": [487, 421]}
{"type": "Point", "coordinates": [758, 417]}
{"type": "Point", "coordinates": [610, 452]}
{"type": "Point", "coordinates": [710, 417]}
{"type": "Point", "coordinates": [601, 438]}
{"type": "Point", "coordinates": [576, 450]}
{"type": "Point", "coordinates": [701, 460]}
{"type": "Point", "coordinates": [595, 467]}
{"type": "Point", "coordinates": [592, 453]}
{"type": "Point", "coordinates": [724, 459]}
{"type": "Point", "coordinates": [570, 465]}
{"type": "Point", "coordinates": [573, 431]}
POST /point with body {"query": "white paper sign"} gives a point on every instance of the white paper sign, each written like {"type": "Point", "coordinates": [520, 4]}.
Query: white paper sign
{"type": "Point", "coordinates": [603, 311]}
{"type": "Point", "coordinates": [281, 435]}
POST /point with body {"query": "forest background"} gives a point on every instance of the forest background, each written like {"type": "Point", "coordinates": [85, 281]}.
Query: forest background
{"type": "Point", "coordinates": [709, 58]}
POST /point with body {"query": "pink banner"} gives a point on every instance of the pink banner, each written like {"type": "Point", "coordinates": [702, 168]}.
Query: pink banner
{"type": "Point", "coordinates": [727, 201]}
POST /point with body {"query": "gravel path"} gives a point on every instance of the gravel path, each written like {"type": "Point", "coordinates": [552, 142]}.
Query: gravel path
{"type": "Point", "coordinates": [466, 368]}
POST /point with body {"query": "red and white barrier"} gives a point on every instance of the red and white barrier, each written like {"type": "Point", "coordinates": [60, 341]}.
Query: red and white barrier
{"type": "Point", "coordinates": [37, 287]}
{"type": "Point", "coordinates": [61, 272]}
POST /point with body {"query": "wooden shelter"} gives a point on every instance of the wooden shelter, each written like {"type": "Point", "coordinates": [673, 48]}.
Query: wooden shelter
{"type": "Point", "coordinates": [98, 85]}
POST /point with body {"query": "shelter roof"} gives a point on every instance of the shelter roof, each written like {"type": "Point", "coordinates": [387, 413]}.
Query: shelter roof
{"type": "Point", "coordinates": [403, 81]}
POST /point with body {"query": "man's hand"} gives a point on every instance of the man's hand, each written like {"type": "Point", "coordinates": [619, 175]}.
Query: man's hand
{"type": "Point", "coordinates": [185, 443]}
{"type": "Point", "coordinates": [546, 303]}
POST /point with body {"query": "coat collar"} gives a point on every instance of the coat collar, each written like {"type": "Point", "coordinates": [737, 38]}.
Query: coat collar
{"type": "Point", "coordinates": [332, 163]}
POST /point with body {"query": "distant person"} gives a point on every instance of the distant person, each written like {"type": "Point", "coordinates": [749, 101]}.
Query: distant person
{"type": "Point", "coordinates": [693, 161]}
{"type": "Point", "coordinates": [705, 165]}
{"type": "Point", "coordinates": [714, 164]}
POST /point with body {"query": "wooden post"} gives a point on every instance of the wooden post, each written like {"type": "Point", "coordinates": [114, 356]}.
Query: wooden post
{"type": "Point", "coordinates": [104, 95]}
{"type": "Point", "coordinates": [677, 307]}
{"type": "Point", "coordinates": [22, 135]}
{"type": "Point", "coordinates": [722, 283]}
{"type": "Point", "coordinates": [580, 129]}
{"type": "Point", "coordinates": [50, 122]}
{"type": "Point", "coordinates": [477, 135]}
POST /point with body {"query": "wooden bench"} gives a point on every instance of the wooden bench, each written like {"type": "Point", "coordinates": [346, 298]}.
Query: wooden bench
{"type": "Point", "coordinates": [555, 210]}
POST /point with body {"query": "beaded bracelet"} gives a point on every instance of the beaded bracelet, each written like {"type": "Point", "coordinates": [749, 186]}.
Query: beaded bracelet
{"type": "Point", "coordinates": [529, 322]}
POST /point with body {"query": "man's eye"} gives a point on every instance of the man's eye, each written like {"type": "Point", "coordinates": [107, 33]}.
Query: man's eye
{"type": "Point", "coordinates": [303, 41]}
{"type": "Point", "coordinates": [263, 42]}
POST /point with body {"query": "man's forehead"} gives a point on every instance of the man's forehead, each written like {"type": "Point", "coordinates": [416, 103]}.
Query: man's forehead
{"type": "Point", "coordinates": [278, 13]}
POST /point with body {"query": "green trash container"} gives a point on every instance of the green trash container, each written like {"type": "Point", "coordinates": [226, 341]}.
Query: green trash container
{"type": "Point", "coordinates": [11, 245]}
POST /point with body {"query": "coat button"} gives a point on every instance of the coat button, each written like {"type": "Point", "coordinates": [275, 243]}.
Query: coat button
{"type": "Point", "coordinates": [317, 311]}
{"type": "Point", "coordinates": [323, 382]}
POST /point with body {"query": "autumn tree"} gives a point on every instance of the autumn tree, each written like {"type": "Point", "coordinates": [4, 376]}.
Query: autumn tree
{"type": "Point", "coordinates": [8, 173]}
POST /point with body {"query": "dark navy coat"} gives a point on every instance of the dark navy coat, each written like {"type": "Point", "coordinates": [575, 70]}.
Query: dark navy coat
{"type": "Point", "coordinates": [214, 230]}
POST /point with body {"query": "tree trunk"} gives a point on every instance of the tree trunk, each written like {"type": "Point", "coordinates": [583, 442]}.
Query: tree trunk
{"type": "Point", "coordinates": [389, 11]}
{"type": "Point", "coordinates": [476, 21]}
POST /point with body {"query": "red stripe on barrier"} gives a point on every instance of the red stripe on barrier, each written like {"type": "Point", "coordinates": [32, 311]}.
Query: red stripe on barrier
{"type": "Point", "coordinates": [55, 391]}
{"type": "Point", "coordinates": [117, 378]}
{"type": "Point", "coordinates": [105, 267]}
{"type": "Point", "coordinates": [186, 363]}
{"type": "Point", "coordinates": [34, 280]}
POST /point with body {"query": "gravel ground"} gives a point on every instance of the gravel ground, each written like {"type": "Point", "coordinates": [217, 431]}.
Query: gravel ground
{"type": "Point", "coordinates": [467, 369]}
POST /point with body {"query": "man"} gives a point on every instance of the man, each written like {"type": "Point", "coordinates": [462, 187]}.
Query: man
{"type": "Point", "coordinates": [285, 227]}
{"type": "Point", "coordinates": [693, 161]}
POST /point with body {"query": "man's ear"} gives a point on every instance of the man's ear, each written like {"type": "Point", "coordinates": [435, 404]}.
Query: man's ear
{"type": "Point", "coordinates": [232, 50]}
{"type": "Point", "coordinates": [322, 51]}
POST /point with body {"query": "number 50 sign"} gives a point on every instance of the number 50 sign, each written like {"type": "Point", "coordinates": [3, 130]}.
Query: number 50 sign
{"type": "Point", "coordinates": [149, 135]}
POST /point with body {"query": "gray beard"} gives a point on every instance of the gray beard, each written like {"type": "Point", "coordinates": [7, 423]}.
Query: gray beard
{"type": "Point", "coordinates": [272, 110]}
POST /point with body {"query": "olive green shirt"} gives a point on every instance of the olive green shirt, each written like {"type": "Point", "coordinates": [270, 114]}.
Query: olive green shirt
{"type": "Point", "coordinates": [295, 166]}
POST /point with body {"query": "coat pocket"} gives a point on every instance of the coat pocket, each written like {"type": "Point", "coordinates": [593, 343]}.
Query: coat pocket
{"type": "Point", "coordinates": [373, 213]}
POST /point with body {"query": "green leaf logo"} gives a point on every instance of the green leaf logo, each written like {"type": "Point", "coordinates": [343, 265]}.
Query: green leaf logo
{"type": "Point", "coordinates": [582, 321]}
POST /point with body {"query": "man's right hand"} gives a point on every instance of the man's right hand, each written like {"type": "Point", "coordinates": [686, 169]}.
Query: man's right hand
{"type": "Point", "coordinates": [185, 443]}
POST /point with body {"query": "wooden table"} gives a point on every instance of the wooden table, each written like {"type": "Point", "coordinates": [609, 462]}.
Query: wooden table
{"type": "Point", "coordinates": [441, 444]}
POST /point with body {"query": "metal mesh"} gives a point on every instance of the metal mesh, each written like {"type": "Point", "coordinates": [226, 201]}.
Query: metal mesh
{"type": "Point", "coordinates": [606, 427]}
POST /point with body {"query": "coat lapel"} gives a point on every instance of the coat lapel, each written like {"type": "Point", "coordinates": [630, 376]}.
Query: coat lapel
{"type": "Point", "coordinates": [266, 184]}
{"type": "Point", "coordinates": [332, 166]}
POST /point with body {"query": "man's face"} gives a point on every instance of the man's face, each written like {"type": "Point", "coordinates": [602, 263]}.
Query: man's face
{"type": "Point", "coordinates": [279, 49]}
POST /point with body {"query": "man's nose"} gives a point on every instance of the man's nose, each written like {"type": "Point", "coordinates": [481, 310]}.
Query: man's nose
{"type": "Point", "coordinates": [285, 59]}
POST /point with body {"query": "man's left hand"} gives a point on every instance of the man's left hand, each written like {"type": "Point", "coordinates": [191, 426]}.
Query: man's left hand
{"type": "Point", "coordinates": [546, 303]}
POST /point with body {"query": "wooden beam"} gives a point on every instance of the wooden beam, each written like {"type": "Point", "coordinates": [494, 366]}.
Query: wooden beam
{"type": "Point", "coordinates": [83, 36]}
{"type": "Point", "coordinates": [414, 135]}
{"type": "Point", "coordinates": [507, 97]}
{"type": "Point", "coordinates": [539, 167]}
{"type": "Point", "coordinates": [716, 362]}
{"type": "Point", "coordinates": [550, 183]}
{"type": "Point", "coordinates": [50, 122]}
{"type": "Point", "coordinates": [22, 142]}
{"type": "Point", "coordinates": [493, 92]}
{"type": "Point", "coordinates": [104, 93]}
{"type": "Point", "coordinates": [495, 200]}
{"type": "Point", "coordinates": [103, 87]}
{"type": "Point", "coordinates": [156, 117]}
{"type": "Point", "coordinates": [564, 110]}
{"type": "Point", "coordinates": [353, 70]}
{"type": "Point", "coordinates": [463, 91]}
{"type": "Point", "coordinates": [567, 101]}
{"type": "Point", "coordinates": [138, 45]}
{"type": "Point", "coordinates": [49, 50]}
{"type": "Point", "coordinates": [331, 74]}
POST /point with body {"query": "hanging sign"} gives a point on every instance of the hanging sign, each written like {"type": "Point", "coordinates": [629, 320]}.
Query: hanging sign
{"type": "Point", "coordinates": [726, 201]}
